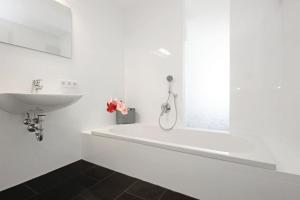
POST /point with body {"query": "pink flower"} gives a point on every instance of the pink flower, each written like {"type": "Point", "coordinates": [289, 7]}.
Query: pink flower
{"type": "Point", "coordinates": [113, 105]}
{"type": "Point", "coordinates": [122, 108]}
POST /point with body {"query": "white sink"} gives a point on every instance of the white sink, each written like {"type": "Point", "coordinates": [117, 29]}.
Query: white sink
{"type": "Point", "coordinates": [19, 103]}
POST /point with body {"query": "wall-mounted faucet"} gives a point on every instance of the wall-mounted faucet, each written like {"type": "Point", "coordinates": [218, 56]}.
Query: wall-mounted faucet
{"type": "Point", "coordinates": [34, 123]}
{"type": "Point", "coordinates": [36, 86]}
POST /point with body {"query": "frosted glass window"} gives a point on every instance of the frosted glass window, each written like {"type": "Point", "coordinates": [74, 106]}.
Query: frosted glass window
{"type": "Point", "coordinates": [207, 61]}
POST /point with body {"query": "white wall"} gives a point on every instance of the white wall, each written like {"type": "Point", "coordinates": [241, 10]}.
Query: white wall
{"type": "Point", "coordinates": [97, 64]}
{"type": "Point", "coordinates": [265, 62]}
{"type": "Point", "coordinates": [151, 25]}
{"type": "Point", "coordinates": [146, 69]}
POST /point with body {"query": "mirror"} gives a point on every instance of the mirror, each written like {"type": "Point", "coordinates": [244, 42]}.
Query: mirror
{"type": "Point", "coordinates": [43, 25]}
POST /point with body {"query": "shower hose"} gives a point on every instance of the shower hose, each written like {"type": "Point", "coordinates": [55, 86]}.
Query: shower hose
{"type": "Point", "coordinates": [164, 112]}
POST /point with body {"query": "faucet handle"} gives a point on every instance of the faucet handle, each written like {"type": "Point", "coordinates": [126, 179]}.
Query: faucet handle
{"type": "Point", "coordinates": [37, 81]}
{"type": "Point", "coordinates": [37, 85]}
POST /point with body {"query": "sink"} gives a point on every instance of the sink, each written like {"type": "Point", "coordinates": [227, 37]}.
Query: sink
{"type": "Point", "coordinates": [19, 103]}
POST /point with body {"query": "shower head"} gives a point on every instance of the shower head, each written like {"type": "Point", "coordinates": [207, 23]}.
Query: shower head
{"type": "Point", "coordinates": [169, 78]}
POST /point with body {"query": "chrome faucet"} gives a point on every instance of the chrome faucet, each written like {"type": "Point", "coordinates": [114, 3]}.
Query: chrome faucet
{"type": "Point", "coordinates": [34, 123]}
{"type": "Point", "coordinates": [36, 85]}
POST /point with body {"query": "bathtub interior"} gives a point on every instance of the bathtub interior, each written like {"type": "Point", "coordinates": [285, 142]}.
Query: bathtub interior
{"type": "Point", "coordinates": [219, 141]}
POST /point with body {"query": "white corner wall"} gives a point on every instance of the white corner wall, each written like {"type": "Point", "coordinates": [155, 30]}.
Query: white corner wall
{"type": "Point", "coordinates": [97, 64]}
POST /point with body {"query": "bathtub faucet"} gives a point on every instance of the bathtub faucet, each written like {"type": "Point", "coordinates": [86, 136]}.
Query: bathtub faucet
{"type": "Point", "coordinates": [165, 108]}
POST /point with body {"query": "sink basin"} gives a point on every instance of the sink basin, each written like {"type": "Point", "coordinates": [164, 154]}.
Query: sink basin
{"type": "Point", "coordinates": [19, 103]}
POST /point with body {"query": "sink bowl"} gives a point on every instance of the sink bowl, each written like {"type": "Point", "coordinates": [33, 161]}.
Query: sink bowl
{"type": "Point", "coordinates": [19, 103]}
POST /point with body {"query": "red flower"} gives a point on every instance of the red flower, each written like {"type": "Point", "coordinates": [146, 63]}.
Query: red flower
{"type": "Point", "coordinates": [111, 106]}
{"type": "Point", "coordinates": [115, 104]}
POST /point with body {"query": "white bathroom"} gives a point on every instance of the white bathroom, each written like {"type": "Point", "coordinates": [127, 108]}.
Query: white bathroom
{"type": "Point", "coordinates": [149, 99]}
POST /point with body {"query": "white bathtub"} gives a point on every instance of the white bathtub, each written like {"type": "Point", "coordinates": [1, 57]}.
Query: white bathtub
{"type": "Point", "coordinates": [203, 164]}
{"type": "Point", "coordinates": [218, 145]}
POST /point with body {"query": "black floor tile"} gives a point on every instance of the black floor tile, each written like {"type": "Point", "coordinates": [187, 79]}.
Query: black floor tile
{"type": "Point", "coordinates": [69, 189]}
{"type": "Point", "coordinates": [82, 180]}
{"type": "Point", "coordinates": [19, 192]}
{"type": "Point", "coordinates": [147, 191]}
{"type": "Point", "coordinates": [127, 196]}
{"type": "Point", "coordinates": [53, 179]}
{"type": "Point", "coordinates": [79, 167]}
{"type": "Point", "coordinates": [38, 197]}
{"type": "Point", "coordinates": [99, 173]}
{"type": "Point", "coordinates": [110, 188]}
{"type": "Point", "coordinates": [47, 181]}
{"type": "Point", "coordinates": [79, 198]}
{"type": "Point", "coordinates": [170, 195]}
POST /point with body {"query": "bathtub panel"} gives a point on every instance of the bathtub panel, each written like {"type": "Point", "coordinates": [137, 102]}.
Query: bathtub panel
{"type": "Point", "coordinates": [200, 177]}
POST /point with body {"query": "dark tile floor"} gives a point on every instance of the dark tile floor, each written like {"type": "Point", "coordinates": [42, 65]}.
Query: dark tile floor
{"type": "Point", "coordinates": [85, 181]}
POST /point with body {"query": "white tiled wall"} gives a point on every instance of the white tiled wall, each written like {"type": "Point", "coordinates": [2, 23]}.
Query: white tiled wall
{"type": "Point", "coordinates": [265, 62]}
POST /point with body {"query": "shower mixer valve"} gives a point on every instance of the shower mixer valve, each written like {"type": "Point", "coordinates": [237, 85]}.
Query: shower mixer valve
{"type": "Point", "coordinates": [165, 108]}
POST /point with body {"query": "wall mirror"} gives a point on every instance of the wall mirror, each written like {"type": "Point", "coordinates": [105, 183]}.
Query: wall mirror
{"type": "Point", "coordinates": [43, 25]}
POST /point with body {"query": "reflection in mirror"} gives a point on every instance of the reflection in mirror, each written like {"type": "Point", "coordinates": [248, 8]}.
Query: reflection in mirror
{"type": "Point", "coordinates": [40, 25]}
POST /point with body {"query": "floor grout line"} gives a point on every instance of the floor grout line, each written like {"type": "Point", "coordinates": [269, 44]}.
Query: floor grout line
{"type": "Point", "coordinates": [32, 190]}
{"type": "Point", "coordinates": [81, 194]}
{"type": "Point", "coordinates": [131, 185]}
{"type": "Point", "coordinates": [101, 181]}
{"type": "Point", "coordinates": [130, 193]}
{"type": "Point", "coordinates": [163, 194]}
{"type": "Point", "coordinates": [142, 198]}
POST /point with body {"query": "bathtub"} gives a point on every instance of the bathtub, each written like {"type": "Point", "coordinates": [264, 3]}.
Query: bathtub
{"type": "Point", "coordinates": [217, 145]}
{"type": "Point", "coordinates": [207, 165]}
